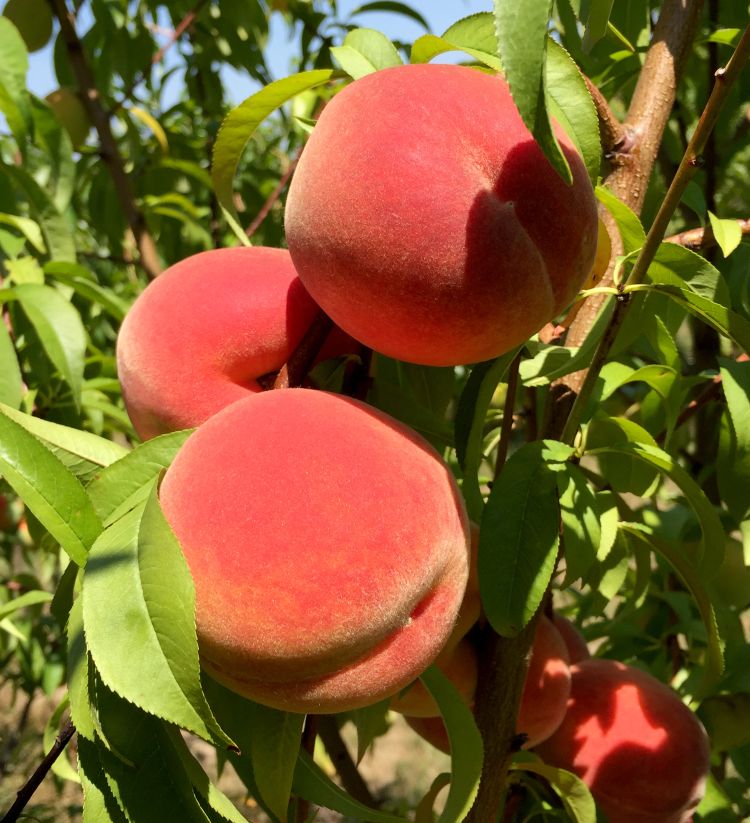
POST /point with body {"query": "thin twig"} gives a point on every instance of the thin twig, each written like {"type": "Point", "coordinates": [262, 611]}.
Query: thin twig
{"type": "Point", "coordinates": [351, 779]}
{"type": "Point", "coordinates": [110, 152]}
{"type": "Point", "coordinates": [309, 734]}
{"type": "Point", "coordinates": [294, 370]}
{"type": "Point", "coordinates": [702, 237]}
{"type": "Point", "coordinates": [688, 166]}
{"type": "Point", "coordinates": [26, 792]}
{"type": "Point", "coordinates": [272, 197]}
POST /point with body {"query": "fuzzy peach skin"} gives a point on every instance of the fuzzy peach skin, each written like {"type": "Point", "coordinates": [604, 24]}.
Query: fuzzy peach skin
{"type": "Point", "coordinates": [459, 664]}
{"type": "Point", "coordinates": [575, 642]}
{"type": "Point", "coordinates": [544, 698]}
{"type": "Point", "coordinates": [425, 220]}
{"type": "Point", "coordinates": [202, 333]}
{"type": "Point", "coordinates": [641, 751]}
{"type": "Point", "coordinates": [329, 546]}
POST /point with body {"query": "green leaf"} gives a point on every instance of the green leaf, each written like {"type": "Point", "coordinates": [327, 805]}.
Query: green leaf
{"type": "Point", "coordinates": [139, 617]}
{"type": "Point", "coordinates": [728, 233]}
{"type": "Point", "coordinates": [370, 722]}
{"type": "Point", "coordinates": [33, 598]}
{"type": "Point", "coordinates": [54, 495]}
{"type": "Point", "coordinates": [29, 228]}
{"type": "Point", "coordinates": [734, 446]}
{"type": "Point", "coordinates": [11, 380]}
{"type": "Point", "coordinates": [125, 484]}
{"type": "Point", "coordinates": [629, 225]}
{"type": "Point", "coordinates": [624, 473]}
{"type": "Point", "coordinates": [239, 126]}
{"type": "Point", "coordinates": [519, 536]}
{"type": "Point", "coordinates": [62, 766]}
{"type": "Point", "coordinates": [215, 798]}
{"type": "Point", "coordinates": [472, 409]}
{"type": "Point", "coordinates": [474, 35]}
{"type": "Point", "coordinates": [311, 783]}
{"type": "Point", "coordinates": [571, 105]}
{"type": "Point", "coordinates": [467, 752]}
{"type": "Point", "coordinates": [678, 266]}
{"type": "Point", "coordinates": [693, 579]}
{"type": "Point", "coordinates": [727, 720]}
{"type": "Point", "coordinates": [75, 276]}
{"type": "Point", "coordinates": [78, 674]}
{"type": "Point", "coordinates": [14, 99]}
{"type": "Point", "coordinates": [423, 812]}
{"type": "Point", "coordinates": [521, 30]}
{"type": "Point", "coordinates": [59, 236]}
{"type": "Point", "coordinates": [574, 793]}
{"type": "Point", "coordinates": [81, 452]}
{"type": "Point", "coordinates": [365, 51]}
{"type": "Point", "coordinates": [711, 553]}
{"type": "Point", "coordinates": [99, 804]}
{"type": "Point", "coordinates": [146, 776]}
{"type": "Point", "coordinates": [59, 328]}
{"type": "Point", "coordinates": [596, 23]}
{"type": "Point", "coordinates": [724, 320]}
{"type": "Point", "coordinates": [735, 381]}
{"type": "Point", "coordinates": [580, 519]}
{"type": "Point", "coordinates": [396, 8]}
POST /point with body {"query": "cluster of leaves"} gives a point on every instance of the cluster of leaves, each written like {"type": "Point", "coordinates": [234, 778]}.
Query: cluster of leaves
{"type": "Point", "coordinates": [647, 496]}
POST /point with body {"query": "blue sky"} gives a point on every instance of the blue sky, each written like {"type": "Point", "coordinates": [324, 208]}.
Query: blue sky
{"type": "Point", "coordinates": [438, 13]}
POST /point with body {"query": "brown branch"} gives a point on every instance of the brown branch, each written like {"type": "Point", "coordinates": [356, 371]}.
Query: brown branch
{"type": "Point", "coordinates": [702, 238]}
{"type": "Point", "coordinates": [273, 197]}
{"type": "Point", "coordinates": [611, 130]}
{"type": "Point", "coordinates": [182, 26]}
{"type": "Point", "coordinates": [26, 792]}
{"type": "Point", "coordinates": [307, 744]}
{"type": "Point", "coordinates": [346, 769]}
{"type": "Point", "coordinates": [294, 370]}
{"type": "Point", "coordinates": [109, 151]}
{"type": "Point", "coordinates": [644, 126]}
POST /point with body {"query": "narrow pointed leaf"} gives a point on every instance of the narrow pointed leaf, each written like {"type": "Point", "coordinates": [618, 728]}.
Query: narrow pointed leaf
{"type": "Point", "coordinates": [139, 618]}
{"type": "Point", "coordinates": [238, 128]}
{"type": "Point", "coordinates": [125, 483]}
{"type": "Point", "coordinates": [54, 495]}
{"type": "Point", "coordinates": [467, 752]}
{"type": "Point", "coordinates": [521, 30]}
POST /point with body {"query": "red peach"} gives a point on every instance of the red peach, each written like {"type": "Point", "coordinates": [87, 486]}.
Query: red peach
{"type": "Point", "coordinates": [202, 333]}
{"type": "Point", "coordinates": [425, 220]}
{"type": "Point", "coordinates": [459, 664]}
{"type": "Point", "coordinates": [328, 544]}
{"type": "Point", "coordinates": [641, 751]}
{"type": "Point", "coordinates": [575, 642]}
{"type": "Point", "coordinates": [544, 698]}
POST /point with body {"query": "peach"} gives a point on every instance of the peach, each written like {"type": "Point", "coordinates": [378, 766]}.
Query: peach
{"type": "Point", "coordinates": [459, 664]}
{"type": "Point", "coordinates": [544, 698]}
{"type": "Point", "coordinates": [329, 546]}
{"type": "Point", "coordinates": [641, 751]}
{"type": "Point", "coordinates": [425, 220]}
{"type": "Point", "coordinates": [575, 642]}
{"type": "Point", "coordinates": [201, 335]}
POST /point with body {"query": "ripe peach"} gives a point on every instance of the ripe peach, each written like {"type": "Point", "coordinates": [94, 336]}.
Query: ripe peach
{"type": "Point", "coordinates": [641, 751]}
{"type": "Point", "coordinates": [460, 665]}
{"type": "Point", "coordinates": [574, 641]}
{"type": "Point", "coordinates": [328, 544]}
{"type": "Point", "coordinates": [544, 698]}
{"type": "Point", "coordinates": [426, 221]}
{"type": "Point", "coordinates": [202, 333]}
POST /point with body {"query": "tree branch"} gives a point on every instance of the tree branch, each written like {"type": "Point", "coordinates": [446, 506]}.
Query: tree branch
{"type": "Point", "coordinates": [702, 237]}
{"type": "Point", "coordinates": [346, 769]}
{"type": "Point", "coordinates": [109, 149]}
{"type": "Point", "coordinates": [26, 792]}
{"type": "Point", "coordinates": [612, 132]}
{"type": "Point", "coordinates": [293, 372]}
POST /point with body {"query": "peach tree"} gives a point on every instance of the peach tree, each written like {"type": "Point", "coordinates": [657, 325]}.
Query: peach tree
{"type": "Point", "coordinates": [474, 450]}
